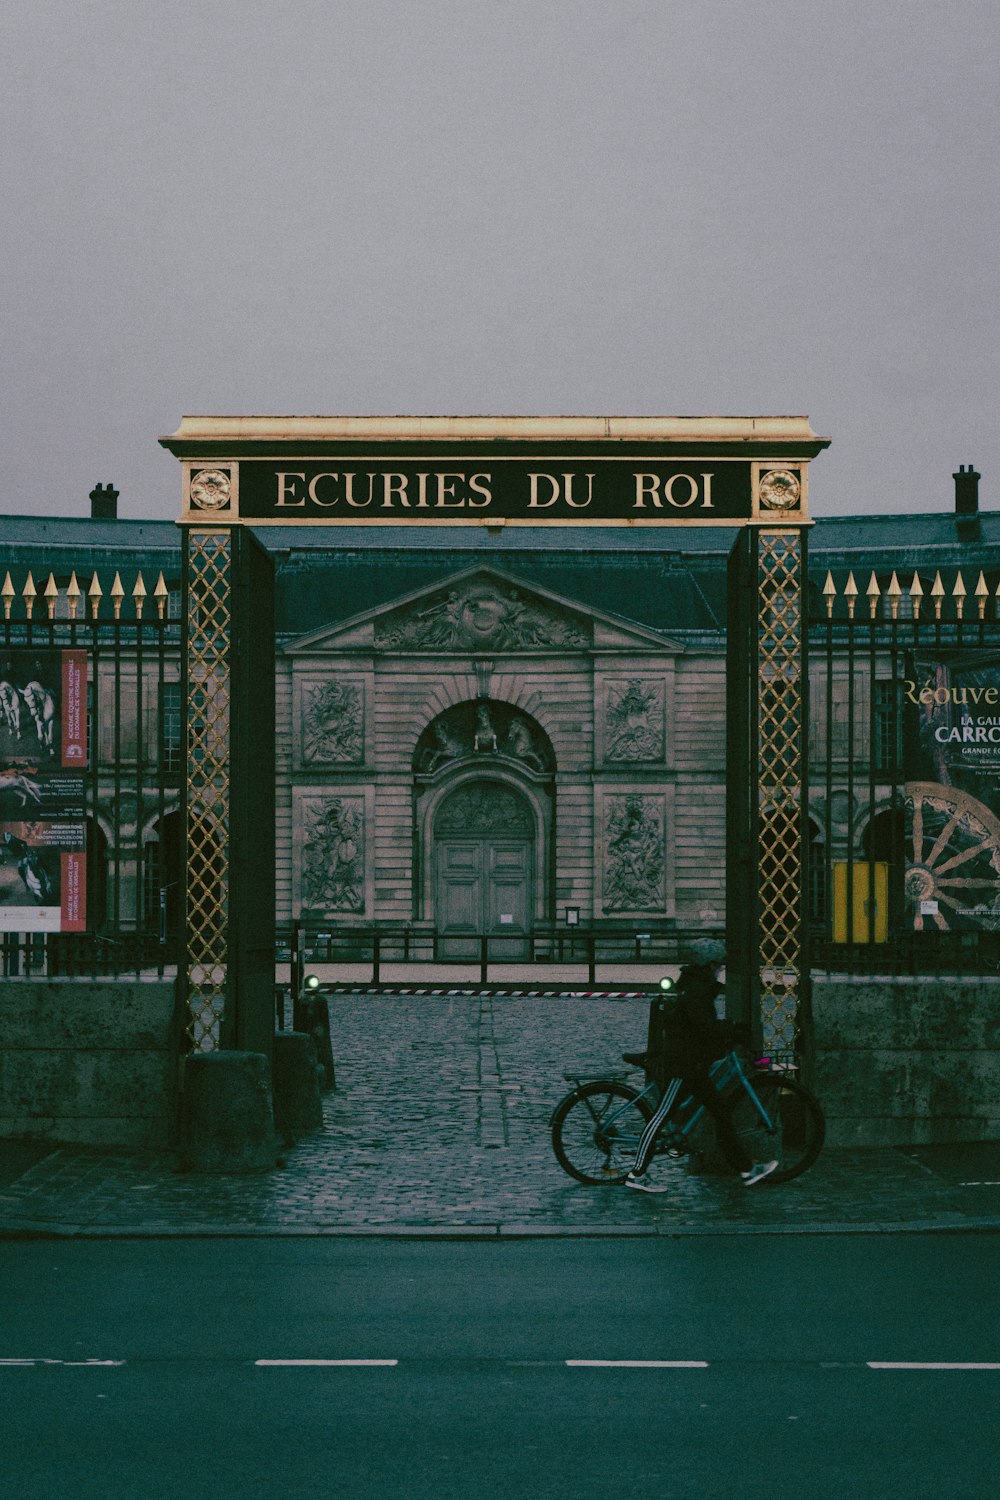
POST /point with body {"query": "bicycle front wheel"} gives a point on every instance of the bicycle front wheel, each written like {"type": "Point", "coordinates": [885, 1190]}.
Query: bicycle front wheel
{"type": "Point", "coordinates": [792, 1131]}
{"type": "Point", "coordinates": [596, 1131]}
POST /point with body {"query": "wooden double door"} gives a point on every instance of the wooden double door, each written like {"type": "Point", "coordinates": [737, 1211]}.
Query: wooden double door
{"type": "Point", "coordinates": [484, 877]}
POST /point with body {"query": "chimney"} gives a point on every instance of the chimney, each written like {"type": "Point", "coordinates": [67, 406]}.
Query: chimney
{"type": "Point", "coordinates": [104, 502]}
{"type": "Point", "coordinates": [966, 491]}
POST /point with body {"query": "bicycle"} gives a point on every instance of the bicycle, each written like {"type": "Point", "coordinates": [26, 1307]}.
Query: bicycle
{"type": "Point", "coordinates": [597, 1127]}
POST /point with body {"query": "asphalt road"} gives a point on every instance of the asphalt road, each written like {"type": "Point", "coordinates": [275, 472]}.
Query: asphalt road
{"type": "Point", "coordinates": [696, 1367]}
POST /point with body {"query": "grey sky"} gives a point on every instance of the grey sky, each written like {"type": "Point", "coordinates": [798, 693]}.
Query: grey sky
{"type": "Point", "coordinates": [643, 206]}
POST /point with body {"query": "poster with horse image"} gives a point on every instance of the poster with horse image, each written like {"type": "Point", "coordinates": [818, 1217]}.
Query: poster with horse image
{"type": "Point", "coordinates": [43, 877]}
{"type": "Point", "coordinates": [43, 756]}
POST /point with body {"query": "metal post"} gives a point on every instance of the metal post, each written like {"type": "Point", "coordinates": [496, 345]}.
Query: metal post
{"type": "Point", "coordinates": [782, 713]}
{"type": "Point", "coordinates": [296, 958]}
{"type": "Point", "coordinates": [208, 578]}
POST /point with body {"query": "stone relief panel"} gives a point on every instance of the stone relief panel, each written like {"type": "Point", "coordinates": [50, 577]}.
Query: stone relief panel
{"type": "Point", "coordinates": [634, 853]}
{"type": "Point", "coordinates": [333, 853]}
{"type": "Point", "coordinates": [634, 721]}
{"type": "Point", "coordinates": [484, 807]}
{"type": "Point", "coordinates": [332, 721]}
{"type": "Point", "coordinates": [480, 615]}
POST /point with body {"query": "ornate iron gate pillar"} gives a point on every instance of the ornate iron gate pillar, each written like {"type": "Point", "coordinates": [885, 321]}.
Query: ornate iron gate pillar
{"type": "Point", "coordinates": [229, 791]}
{"type": "Point", "coordinates": [767, 927]}
{"type": "Point", "coordinates": [207, 615]}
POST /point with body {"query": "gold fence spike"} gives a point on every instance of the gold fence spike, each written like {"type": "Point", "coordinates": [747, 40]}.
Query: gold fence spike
{"type": "Point", "coordinates": [850, 594]}
{"type": "Point", "coordinates": [160, 594]}
{"type": "Point", "coordinates": [958, 593]}
{"type": "Point", "coordinates": [28, 594]}
{"type": "Point", "coordinates": [7, 594]}
{"type": "Point", "coordinates": [51, 595]}
{"type": "Point", "coordinates": [937, 594]}
{"type": "Point", "coordinates": [73, 595]}
{"type": "Point", "coordinates": [117, 595]}
{"type": "Point", "coordinates": [982, 594]}
{"type": "Point", "coordinates": [916, 594]}
{"type": "Point", "coordinates": [829, 594]}
{"type": "Point", "coordinates": [874, 595]}
{"type": "Point", "coordinates": [139, 595]}
{"type": "Point", "coordinates": [96, 593]}
{"type": "Point", "coordinates": [894, 594]}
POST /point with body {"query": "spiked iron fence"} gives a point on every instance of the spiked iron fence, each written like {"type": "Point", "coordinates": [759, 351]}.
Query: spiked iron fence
{"type": "Point", "coordinates": [904, 802]}
{"type": "Point", "coordinates": [121, 801]}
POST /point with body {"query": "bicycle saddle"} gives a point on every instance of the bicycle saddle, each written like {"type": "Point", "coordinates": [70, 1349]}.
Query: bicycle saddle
{"type": "Point", "coordinates": [637, 1059]}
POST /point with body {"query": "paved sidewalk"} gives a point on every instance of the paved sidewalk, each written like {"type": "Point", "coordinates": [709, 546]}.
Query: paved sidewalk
{"type": "Point", "coordinates": [439, 1126]}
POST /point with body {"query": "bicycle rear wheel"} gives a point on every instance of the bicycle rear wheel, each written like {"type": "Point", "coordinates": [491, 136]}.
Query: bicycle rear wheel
{"type": "Point", "coordinates": [793, 1132]}
{"type": "Point", "coordinates": [596, 1131]}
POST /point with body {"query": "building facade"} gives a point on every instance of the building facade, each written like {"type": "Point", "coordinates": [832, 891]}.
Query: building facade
{"type": "Point", "coordinates": [499, 734]}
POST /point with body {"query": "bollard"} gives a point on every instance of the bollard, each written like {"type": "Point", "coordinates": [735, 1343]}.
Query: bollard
{"type": "Point", "coordinates": [228, 1117]}
{"type": "Point", "coordinates": [311, 1014]}
{"type": "Point", "coordinates": [297, 1105]}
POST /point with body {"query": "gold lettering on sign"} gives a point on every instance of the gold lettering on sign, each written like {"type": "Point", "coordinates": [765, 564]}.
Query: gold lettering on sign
{"type": "Point", "coordinates": [480, 485]}
{"type": "Point", "coordinates": [286, 491]}
{"type": "Point", "coordinates": [349, 493]}
{"type": "Point", "coordinates": [647, 487]}
{"type": "Point", "coordinates": [314, 494]}
{"type": "Point", "coordinates": [535, 502]}
{"type": "Point", "coordinates": [394, 484]}
{"type": "Point", "coordinates": [560, 487]}
{"type": "Point", "coordinates": [568, 489]}
{"type": "Point", "coordinates": [447, 499]}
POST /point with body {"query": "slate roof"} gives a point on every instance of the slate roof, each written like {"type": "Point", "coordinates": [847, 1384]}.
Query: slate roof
{"type": "Point", "coordinates": [672, 581]}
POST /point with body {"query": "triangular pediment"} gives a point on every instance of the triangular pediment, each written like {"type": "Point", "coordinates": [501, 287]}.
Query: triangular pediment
{"type": "Point", "coordinates": [482, 609]}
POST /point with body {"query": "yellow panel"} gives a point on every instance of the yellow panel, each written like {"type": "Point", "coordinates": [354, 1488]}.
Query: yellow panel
{"type": "Point", "coordinates": [862, 913]}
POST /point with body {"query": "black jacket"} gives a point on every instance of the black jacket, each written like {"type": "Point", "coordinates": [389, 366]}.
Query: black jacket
{"type": "Point", "coordinates": [685, 1035]}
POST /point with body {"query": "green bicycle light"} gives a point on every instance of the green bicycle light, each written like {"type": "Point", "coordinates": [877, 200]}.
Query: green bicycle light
{"type": "Point", "coordinates": [311, 982]}
{"type": "Point", "coordinates": [666, 983]}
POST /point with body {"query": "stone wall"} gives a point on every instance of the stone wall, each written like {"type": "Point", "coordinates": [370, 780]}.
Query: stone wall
{"type": "Point", "coordinates": [907, 1061]}
{"type": "Point", "coordinates": [88, 1061]}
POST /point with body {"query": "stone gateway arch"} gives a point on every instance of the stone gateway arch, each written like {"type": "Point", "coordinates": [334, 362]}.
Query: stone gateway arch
{"type": "Point", "coordinates": [476, 813]}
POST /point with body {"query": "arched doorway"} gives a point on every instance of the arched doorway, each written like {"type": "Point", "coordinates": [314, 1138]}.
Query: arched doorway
{"type": "Point", "coordinates": [484, 870]}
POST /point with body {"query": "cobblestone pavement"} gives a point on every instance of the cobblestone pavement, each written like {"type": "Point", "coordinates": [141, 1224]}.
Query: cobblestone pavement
{"type": "Point", "coordinates": [439, 1124]}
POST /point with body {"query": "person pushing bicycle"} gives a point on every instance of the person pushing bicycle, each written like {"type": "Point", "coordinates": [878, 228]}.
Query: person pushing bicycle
{"type": "Point", "coordinates": [685, 1038]}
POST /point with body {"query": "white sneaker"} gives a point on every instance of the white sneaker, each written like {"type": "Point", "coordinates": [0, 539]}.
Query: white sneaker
{"type": "Point", "coordinates": [645, 1183]}
{"type": "Point", "coordinates": [757, 1171]}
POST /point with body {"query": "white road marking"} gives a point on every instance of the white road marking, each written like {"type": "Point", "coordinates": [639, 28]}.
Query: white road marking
{"type": "Point", "coordinates": [931, 1364]}
{"type": "Point", "coordinates": [638, 1364]}
{"type": "Point", "coordinates": [69, 1364]}
{"type": "Point", "coordinates": [324, 1362]}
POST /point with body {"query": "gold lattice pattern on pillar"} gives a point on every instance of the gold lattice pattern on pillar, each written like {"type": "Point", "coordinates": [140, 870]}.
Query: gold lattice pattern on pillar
{"type": "Point", "coordinates": [779, 775]}
{"type": "Point", "coordinates": [209, 617]}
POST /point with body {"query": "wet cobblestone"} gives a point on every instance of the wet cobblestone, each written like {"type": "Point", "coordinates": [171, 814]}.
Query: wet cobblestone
{"type": "Point", "coordinates": [440, 1123]}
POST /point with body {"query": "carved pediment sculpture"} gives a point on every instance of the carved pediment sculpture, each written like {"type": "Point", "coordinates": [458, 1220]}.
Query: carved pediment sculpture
{"type": "Point", "coordinates": [484, 728]}
{"type": "Point", "coordinates": [476, 615]}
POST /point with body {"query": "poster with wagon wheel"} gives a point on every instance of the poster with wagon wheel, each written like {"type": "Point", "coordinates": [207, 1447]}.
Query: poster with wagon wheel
{"type": "Point", "coordinates": [43, 755]}
{"type": "Point", "coordinates": [952, 791]}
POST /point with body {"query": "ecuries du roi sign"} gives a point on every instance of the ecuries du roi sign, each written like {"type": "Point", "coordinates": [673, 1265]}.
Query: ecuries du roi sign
{"type": "Point", "coordinates": [495, 472]}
